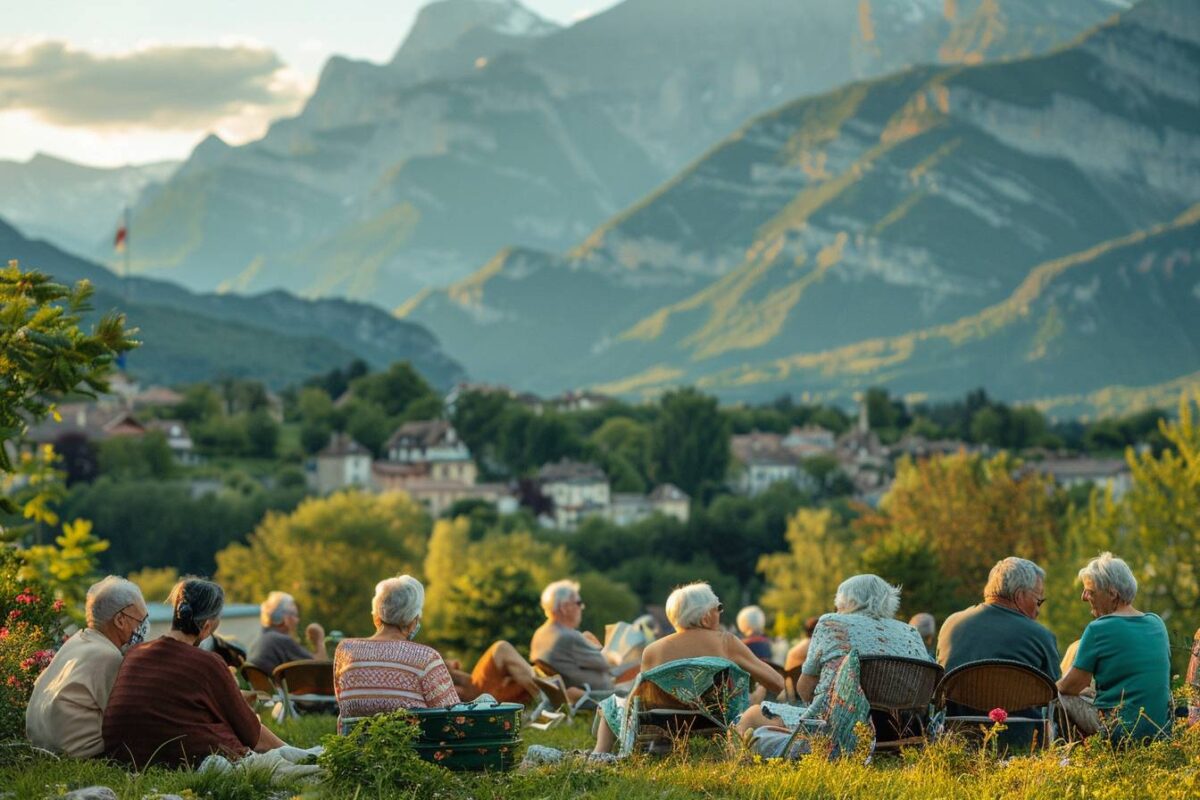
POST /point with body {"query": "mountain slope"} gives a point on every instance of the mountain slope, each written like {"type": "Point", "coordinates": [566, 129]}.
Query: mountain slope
{"type": "Point", "coordinates": [886, 207]}
{"type": "Point", "coordinates": [75, 205]}
{"type": "Point", "coordinates": [491, 128]}
{"type": "Point", "coordinates": [274, 337]}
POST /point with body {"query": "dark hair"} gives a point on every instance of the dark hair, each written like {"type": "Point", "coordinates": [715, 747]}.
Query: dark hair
{"type": "Point", "coordinates": [195, 602]}
{"type": "Point", "coordinates": [810, 625]}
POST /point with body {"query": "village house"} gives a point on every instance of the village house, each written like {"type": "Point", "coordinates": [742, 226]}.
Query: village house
{"type": "Point", "coordinates": [343, 463]}
{"type": "Point", "coordinates": [810, 440]}
{"type": "Point", "coordinates": [1111, 474]}
{"type": "Point", "coordinates": [178, 440]}
{"type": "Point", "coordinates": [762, 461]}
{"type": "Point", "coordinates": [666, 499]}
{"type": "Point", "coordinates": [435, 447]}
{"type": "Point", "coordinates": [577, 490]}
{"type": "Point", "coordinates": [94, 422]}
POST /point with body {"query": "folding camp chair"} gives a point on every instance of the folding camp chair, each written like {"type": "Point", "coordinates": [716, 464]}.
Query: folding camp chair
{"type": "Point", "coordinates": [982, 686]}
{"type": "Point", "coordinates": [690, 697]}
{"type": "Point", "coordinates": [306, 682]}
{"type": "Point", "coordinates": [262, 684]}
{"type": "Point", "coordinates": [553, 706]}
{"type": "Point", "coordinates": [900, 691]}
{"type": "Point", "coordinates": [590, 697]}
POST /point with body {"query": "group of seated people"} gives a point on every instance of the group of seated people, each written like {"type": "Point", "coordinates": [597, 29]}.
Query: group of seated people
{"type": "Point", "coordinates": [108, 692]}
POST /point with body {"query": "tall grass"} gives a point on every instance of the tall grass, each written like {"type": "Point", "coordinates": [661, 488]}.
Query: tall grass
{"type": "Point", "coordinates": [699, 769]}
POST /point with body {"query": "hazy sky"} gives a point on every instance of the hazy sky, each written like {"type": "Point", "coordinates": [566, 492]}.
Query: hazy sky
{"type": "Point", "coordinates": [131, 81]}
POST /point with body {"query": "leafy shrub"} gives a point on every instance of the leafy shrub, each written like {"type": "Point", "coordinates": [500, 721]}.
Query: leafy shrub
{"type": "Point", "coordinates": [30, 632]}
{"type": "Point", "coordinates": [379, 753]}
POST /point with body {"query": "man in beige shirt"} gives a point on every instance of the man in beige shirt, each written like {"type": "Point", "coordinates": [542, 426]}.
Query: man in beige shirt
{"type": "Point", "coordinates": [66, 710]}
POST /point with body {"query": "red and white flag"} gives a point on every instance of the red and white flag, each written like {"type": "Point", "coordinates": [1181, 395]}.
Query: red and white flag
{"type": "Point", "coordinates": [119, 239]}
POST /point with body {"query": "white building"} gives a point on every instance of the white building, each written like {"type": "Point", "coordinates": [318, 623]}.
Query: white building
{"type": "Point", "coordinates": [667, 499]}
{"type": "Point", "coordinates": [762, 461]}
{"type": "Point", "coordinates": [435, 445]}
{"type": "Point", "coordinates": [577, 490]}
{"type": "Point", "coordinates": [342, 464]}
{"type": "Point", "coordinates": [1111, 474]}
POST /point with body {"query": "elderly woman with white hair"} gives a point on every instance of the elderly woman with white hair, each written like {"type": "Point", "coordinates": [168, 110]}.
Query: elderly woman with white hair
{"type": "Point", "coordinates": [389, 670]}
{"type": "Point", "coordinates": [1127, 653]}
{"type": "Point", "coordinates": [695, 612]}
{"type": "Point", "coordinates": [865, 621]}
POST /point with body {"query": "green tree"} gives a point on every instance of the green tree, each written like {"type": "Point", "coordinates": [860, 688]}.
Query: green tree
{"type": "Point", "coordinates": [1154, 526]}
{"type": "Point", "coordinates": [368, 424]}
{"type": "Point", "coordinates": [448, 545]}
{"type": "Point", "coordinates": [490, 600]}
{"type": "Point", "coordinates": [802, 581]}
{"type": "Point", "coordinates": [690, 441]}
{"type": "Point", "coordinates": [907, 561]}
{"type": "Point", "coordinates": [314, 405]}
{"type": "Point", "coordinates": [262, 434]}
{"type": "Point", "coordinates": [329, 554]}
{"type": "Point", "coordinates": [393, 390]}
{"type": "Point", "coordinates": [140, 457]}
{"type": "Point", "coordinates": [606, 601]}
{"type": "Point", "coordinates": [43, 352]}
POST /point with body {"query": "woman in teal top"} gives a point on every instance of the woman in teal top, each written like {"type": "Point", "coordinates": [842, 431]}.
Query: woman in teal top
{"type": "Point", "coordinates": [1127, 653]}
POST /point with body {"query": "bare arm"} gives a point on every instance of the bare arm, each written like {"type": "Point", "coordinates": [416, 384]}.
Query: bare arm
{"type": "Point", "coordinates": [1074, 682]}
{"type": "Point", "coordinates": [806, 687]}
{"type": "Point", "coordinates": [759, 670]}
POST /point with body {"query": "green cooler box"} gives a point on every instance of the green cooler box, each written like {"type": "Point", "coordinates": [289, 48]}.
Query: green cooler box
{"type": "Point", "coordinates": [470, 736]}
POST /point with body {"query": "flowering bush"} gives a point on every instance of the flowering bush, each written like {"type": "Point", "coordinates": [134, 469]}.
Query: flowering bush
{"type": "Point", "coordinates": [30, 633]}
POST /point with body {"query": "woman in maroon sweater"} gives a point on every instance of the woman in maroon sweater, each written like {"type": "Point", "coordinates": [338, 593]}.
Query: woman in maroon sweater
{"type": "Point", "coordinates": [174, 703]}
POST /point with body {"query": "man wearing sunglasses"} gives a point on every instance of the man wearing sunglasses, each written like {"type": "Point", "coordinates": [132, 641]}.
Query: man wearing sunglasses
{"type": "Point", "coordinates": [66, 710]}
{"type": "Point", "coordinates": [576, 656]}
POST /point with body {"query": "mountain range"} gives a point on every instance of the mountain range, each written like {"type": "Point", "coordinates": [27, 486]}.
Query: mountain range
{"type": "Point", "coordinates": [76, 206]}
{"type": "Point", "coordinates": [1029, 225]}
{"type": "Point", "coordinates": [274, 337]}
{"type": "Point", "coordinates": [492, 127]}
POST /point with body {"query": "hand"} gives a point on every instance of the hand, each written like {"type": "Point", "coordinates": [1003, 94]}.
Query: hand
{"type": "Point", "coordinates": [315, 633]}
{"type": "Point", "coordinates": [591, 637]}
{"type": "Point", "coordinates": [454, 663]}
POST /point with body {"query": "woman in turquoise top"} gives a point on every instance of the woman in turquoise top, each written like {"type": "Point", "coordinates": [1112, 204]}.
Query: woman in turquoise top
{"type": "Point", "coordinates": [1128, 654]}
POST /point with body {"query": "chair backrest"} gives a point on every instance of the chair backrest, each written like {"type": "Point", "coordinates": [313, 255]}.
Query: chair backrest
{"type": "Point", "coordinates": [234, 655]}
{"type": "Point", "coordinates": [258, 679]}
{"type": "Point", "coordinates": [996, 683]}
{"type": "Point", "coordinates": [307, 676]}
{"type": "Point", "coordinates": [711, 685]}
{"type": "Point", "coordinates": [899, 684]}
{"type": "Point", "coordinates": [554, 689]}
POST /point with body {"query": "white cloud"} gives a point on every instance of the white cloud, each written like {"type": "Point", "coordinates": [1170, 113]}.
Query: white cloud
{"type": "Point", "coordinates": [155, 86]}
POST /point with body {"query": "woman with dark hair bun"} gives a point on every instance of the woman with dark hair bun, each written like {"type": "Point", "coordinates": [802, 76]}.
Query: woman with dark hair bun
{"type": "Point", "coordinates": [174, 703]}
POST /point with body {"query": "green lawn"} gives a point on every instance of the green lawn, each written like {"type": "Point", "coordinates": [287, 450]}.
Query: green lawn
{"type": "Point", "coordinates": [698, 770]}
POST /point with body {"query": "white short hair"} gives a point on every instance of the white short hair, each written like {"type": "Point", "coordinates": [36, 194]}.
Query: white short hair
{"type": "Point", "coordinates": [277, 606]}
{"type": "Point", "coordinates": [751, 619]}
{"type": "Point", "coordinates": [398, 601]}
{"type": "Point", "coordinates": [108, 596]}
{"type": "Point", "coordinates": [867, 594]}
{"type": "Point", "coordinates": [557, 593]}
{"type": "Point", "coordinates": [1106, 572]}
{"type": "Point", "coordinates": [1012, 575]}
{"type": "Point", "coordinates": [925, 624]}
{"type": "Point", "coordinates": [687, 605]}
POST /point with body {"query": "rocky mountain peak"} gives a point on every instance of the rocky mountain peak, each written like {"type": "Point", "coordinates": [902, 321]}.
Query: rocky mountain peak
{"type": "Point", "coordinates": [439, 25]}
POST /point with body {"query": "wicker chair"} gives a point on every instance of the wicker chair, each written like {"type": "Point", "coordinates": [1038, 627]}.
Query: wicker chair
{"type": "Point", "coordinates": [307, 682]}
{"type": "Point", "coordinates": [998, 683]}
{"type": "Point", "coordinates": [665, 719]}
{"type": "Point", "coordinates": [900, 691]}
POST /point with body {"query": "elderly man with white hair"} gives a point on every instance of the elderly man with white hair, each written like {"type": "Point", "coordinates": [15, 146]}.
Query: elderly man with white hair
{"type": "Point", "coordinates": [280, 617]}
{"type": "Point", "coordinates": [576, 656]}
{"type": "Point", "coordinates": [751, 623]}
{"type": "Point", "coordinates": [66, 711]}
{"type": "Point", "coordinates": [1005, 624]}
{"type": "Point", "coordinates": [1127, 652]}
{"type": "Point", "coordinates": [926, 625]}
{"type": "Point", "coordinates": [864, 620]}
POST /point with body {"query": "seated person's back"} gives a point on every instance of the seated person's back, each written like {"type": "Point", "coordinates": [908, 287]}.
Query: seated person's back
{"type": "Point", "coordinates": [174, 703]}
{"type": "Point", "coordinates": [375, 676]}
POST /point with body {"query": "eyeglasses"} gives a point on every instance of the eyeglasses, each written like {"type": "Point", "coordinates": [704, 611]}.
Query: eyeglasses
{"type": "Point", "coordinates": [720, 607]}
{"type": "Point", "coordinates": [578, 602]}
{"type": "Point", "coordinates": [123, 612]}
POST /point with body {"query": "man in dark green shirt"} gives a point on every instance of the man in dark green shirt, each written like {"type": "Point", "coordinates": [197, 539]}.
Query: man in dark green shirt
{"type": "Point", "coordinates": [1004, 626]}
